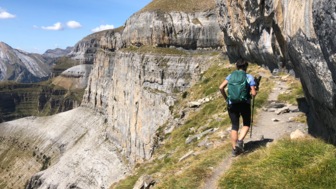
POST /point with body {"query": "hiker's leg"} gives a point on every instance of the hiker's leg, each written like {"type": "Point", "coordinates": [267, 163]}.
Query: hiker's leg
{"type": "Point", "coordinates": [234, 138]}
{"type": "Point", "coordinates": [243, 132]}
{"type": "Point", "coordinates": [246, 114]}
{"type": "Point", "coordinates": [234, 117]}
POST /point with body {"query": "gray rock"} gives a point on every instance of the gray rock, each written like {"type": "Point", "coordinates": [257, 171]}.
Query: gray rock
{"type": "Point", "coordinates": [297, 134]}
{"type": "Point", "coordinates": [177, 29]}
{"type": "Point", "coordinates": [144, 182]}
{"type": "Point", "coordinates": [275, 120]}
{"type": "Point", "coordinates": [187, 155]}
{"type": "Point", "coordinates": [276, 105]}
{"type": "Point", "coordinates": [199, 136]}
{"type": "Point", "coordinates": [282, 111]}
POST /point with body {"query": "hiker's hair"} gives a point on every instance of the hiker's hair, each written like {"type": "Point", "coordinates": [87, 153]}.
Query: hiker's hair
{"type": "Point", "coordinates": [241, 64]}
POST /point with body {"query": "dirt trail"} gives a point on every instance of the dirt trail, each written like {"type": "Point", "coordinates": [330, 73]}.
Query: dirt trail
{"type": "Point", "coordinates": [267, 127]}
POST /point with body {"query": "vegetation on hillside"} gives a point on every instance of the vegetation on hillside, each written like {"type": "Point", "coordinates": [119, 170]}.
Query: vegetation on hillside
{"type": "Point", "coordinates": [63, 63]}
{"type": "Point", "coordinates": [179, 5]}
{"type": "Point", "coordinates": [305, 163]}
{"type": "Point", "coordinates": [19, 100]}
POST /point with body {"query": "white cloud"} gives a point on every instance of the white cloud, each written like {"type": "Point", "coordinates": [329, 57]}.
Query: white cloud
{"type": "Point", "coordinates": [6, 15]}
{"type": "Point", "coordinates": [56, 27]}
{"type": "Point", "coordinates": [103, 27]}
{"type": "Point", "coordinates": [73, 24]}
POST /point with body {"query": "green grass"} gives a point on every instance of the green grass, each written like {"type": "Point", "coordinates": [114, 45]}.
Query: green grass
{"type": "Point", "coordinates": [180, 5]}
{"type": "Point", "coordinates": [296, 92]}
{"type": "Point", "coordinates": [304, 163]}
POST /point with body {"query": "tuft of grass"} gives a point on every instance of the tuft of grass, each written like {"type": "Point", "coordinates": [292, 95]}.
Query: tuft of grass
{"type": "Point", "coordinates": [295, 92]}
{"type": "Point", "coordinates": [303, 163]}
{"type": "Point", "coordinates": [179, 5]}
{"type": "Point", "coordinates": [301, 118]}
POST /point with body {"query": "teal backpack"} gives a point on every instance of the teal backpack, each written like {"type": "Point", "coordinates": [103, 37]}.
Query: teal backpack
{"type": "Point", "coordinates": [238, 89]}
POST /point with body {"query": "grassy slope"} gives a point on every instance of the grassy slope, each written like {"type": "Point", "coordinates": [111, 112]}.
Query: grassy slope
{"type": "Point", "coordinates": [179, 5]}
{"type": "Point", "coordinates": [304, 163]}
{"type": "Point", "coordinates": [192, 172]}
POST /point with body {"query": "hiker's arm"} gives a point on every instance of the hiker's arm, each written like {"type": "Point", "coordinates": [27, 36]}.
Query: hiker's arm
{"type": "Point", "coordinates": [253, 91]}
{"type": "Point", "coordinates": [222, 88]}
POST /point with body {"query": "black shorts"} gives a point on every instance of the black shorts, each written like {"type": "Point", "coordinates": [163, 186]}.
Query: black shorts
{"type": "Point", "coordinates": [237, 110]}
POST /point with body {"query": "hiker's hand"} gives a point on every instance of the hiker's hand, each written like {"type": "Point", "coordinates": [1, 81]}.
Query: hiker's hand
{"type": "Point", "coordinates": [257, 81]}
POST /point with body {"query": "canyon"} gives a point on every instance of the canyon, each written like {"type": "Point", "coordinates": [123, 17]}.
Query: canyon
{"type": "Point", "coordinates": [140, 69]}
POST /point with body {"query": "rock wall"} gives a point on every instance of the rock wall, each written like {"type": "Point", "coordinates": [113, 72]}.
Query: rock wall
{"type": "Point", "coordinates": [292, 34]}
{"type": "Point", "coordinates": [192, 31]}
{"type": "Point", "coordinates": [178, 29]}
{"type": "Point", "coordinates": [135, 92]}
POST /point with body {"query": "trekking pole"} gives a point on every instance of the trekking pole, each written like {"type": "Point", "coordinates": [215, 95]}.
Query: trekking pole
{"type": "Point", "coordinates": [257, 88]}
{"type": "Point", "coordinates": [252, 116]}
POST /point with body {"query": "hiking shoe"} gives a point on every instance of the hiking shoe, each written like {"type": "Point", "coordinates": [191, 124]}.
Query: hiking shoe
{"type": "Point", "coordinates": [235, 152]}
{"type": "Point", "coordinates": [240, 145]}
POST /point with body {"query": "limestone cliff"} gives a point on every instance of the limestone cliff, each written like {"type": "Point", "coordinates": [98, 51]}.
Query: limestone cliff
{"type": "Point", "coordinates": [289, 33]}
{"type": "Point", "coordinates": [135, 92]}
{"type": "Point", "coordinates": [131, 89]}
{"type": "Point", "coordinates": [177, 29]}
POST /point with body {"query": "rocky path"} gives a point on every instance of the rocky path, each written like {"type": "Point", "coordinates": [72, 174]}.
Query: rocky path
{"type": "Point", "coordinates": [273, 122]}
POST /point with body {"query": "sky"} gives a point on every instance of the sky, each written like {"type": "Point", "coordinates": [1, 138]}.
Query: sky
{"type": "Point", "coordinates": [38, 25]}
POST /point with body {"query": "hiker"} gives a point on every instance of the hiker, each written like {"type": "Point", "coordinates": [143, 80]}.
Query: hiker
{"type": "Point", "coordinates": [240, 88]}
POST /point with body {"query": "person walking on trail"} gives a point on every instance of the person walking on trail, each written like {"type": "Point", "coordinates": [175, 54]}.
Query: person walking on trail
{"type": "Point", "coordinates": [241, 88]}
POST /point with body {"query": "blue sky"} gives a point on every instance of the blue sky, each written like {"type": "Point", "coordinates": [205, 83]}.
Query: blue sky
{"type": "Point", "coordinates": [38, 25]}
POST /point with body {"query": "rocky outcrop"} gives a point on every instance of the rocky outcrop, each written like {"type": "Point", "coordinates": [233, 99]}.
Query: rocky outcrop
{"type": "Point", "coordinates": [188, 30]}
{"type": "Point", "coordinates": [21, 66]}
{"type": "Point", "coordinates": [84, 51]}
{"type": "Point", "coordinates": [177, 29]}
{"type": "Point", "coordinates": [292, 34]}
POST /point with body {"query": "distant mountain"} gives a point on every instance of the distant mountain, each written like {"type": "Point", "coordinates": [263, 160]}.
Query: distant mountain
{"type": "Point", "coordinates": [55, 53]}
{"type": "Point", "coordinates": [20, 66]}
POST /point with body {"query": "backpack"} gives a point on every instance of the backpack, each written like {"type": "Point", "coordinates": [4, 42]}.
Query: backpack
{"type": "Point", "coordinates": [238, 90]}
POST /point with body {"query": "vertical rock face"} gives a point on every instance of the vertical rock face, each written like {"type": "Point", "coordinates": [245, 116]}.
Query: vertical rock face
{"type": "Point", "coordinates": [159, 29]}
{"type": "Point", "coordinates": [296, 34]}
{"type": "Point", "coordinates": [179, 29]}
{"type": "Point", "coordinates": [135, 92]}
